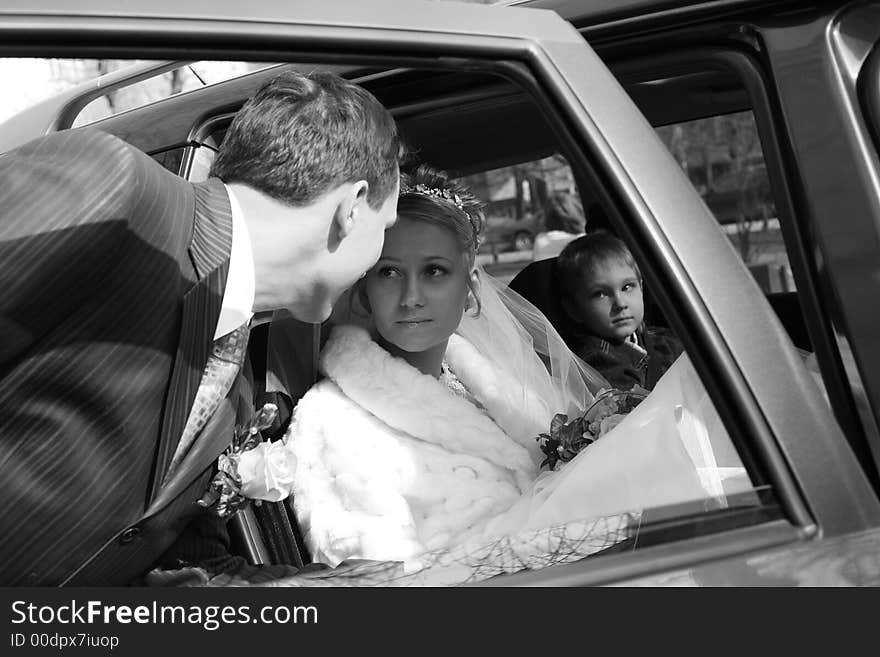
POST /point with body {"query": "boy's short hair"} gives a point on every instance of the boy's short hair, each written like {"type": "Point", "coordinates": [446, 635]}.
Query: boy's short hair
{"type": "Point", "coordinates": [301, 135]}
{"type": "Point", "coordinates": [583, 255]}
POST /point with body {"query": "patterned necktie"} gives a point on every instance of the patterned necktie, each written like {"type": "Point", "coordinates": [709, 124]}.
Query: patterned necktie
{"type": "Point", "coordinates": [223, 366]}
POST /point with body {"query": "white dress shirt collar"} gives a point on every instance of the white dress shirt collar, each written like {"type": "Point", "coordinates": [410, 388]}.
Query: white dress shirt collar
{"type": "Point", "coordinates": [238, 297]}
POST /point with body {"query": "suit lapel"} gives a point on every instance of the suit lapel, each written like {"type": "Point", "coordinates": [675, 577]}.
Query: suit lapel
{"type": "Point", "coordinates": [213, 439]}
{"type": "Point", "coordinates": [209, 250]}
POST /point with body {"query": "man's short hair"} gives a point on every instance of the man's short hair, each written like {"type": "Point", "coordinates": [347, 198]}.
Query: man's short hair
{"type": "Point", "coordinates": [302, 135]}
{"type": "Point", "coordinates": [581, 257]}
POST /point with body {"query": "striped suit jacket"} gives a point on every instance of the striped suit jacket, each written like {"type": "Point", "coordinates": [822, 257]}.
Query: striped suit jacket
{"type": "Point", "coordinates": [112, 273]}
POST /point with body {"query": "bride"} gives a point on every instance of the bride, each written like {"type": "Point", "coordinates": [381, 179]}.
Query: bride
{"type": "Point", "coordinates": [423, 435]}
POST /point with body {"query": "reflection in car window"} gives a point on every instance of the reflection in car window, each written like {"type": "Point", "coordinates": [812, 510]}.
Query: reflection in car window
{"type": "Point", "coordinates": [186, 78]}
{"type": "Point", "coordinates": [722, 157]}
{"type": "Point", "coordinates": [532, 211]}
{"type": "Point", "coordinates": [170, 159]}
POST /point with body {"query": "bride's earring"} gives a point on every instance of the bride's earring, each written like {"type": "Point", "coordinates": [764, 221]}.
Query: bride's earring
{"type": "Point", "coordinates": [362, 297]}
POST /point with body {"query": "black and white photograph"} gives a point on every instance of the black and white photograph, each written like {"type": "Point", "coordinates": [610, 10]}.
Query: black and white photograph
{"type": "Point", "coordinates": [433, 293]}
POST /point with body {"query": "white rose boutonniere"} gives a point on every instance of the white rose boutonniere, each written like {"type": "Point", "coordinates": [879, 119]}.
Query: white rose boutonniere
{"type": "Point", "coordinates": [266, 472]}
{"type": "Point", "coordinates": [251, 469]}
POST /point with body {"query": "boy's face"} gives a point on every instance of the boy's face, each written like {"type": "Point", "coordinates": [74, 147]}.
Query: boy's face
{"type": "Point", "coordinates": [610, 303]}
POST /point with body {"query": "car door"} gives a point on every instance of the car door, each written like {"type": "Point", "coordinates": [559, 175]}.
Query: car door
{"type": "Point", "coordinates": [765, 398]}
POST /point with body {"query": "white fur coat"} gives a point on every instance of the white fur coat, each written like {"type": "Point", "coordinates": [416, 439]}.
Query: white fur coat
{"type": "Point", "coordinates": [391, 463]}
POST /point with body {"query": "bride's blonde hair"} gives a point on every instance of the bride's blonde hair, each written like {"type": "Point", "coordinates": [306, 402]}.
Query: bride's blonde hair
{"type": "Point", "coordinates": [431, 196]}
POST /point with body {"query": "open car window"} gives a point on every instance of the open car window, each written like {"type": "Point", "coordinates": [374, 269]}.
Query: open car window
{"type": "Point", "coordinates": [722, 493]}
{"type": "Point", "coordinates": [728, 489]}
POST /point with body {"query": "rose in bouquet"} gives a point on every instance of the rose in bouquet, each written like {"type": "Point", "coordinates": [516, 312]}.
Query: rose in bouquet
{"type": "Point", "coordinates": [568, 437]}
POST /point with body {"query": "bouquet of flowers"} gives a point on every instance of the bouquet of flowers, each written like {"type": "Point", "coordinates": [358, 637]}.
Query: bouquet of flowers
{"type": "Point", "coordinates": [568, 437]}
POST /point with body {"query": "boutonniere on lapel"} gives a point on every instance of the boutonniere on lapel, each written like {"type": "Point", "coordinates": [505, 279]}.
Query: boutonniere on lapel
{"type": "Point", "coordinates": [251, 469]}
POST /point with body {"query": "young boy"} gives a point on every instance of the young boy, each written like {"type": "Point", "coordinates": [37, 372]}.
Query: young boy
{"type": "Point", "coordinates": [601, 289]}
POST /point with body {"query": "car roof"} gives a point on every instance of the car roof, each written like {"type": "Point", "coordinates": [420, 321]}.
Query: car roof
{"type": "Point", "coordinates": [382, 17]}
{"type": "Point", "coordinates": [593, 12]}
{"type": "Point", "coordinates": [462, 18]}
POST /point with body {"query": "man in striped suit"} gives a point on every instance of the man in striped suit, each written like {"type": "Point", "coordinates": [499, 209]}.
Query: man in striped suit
{"type": "Point", "coordinates": [116, 277]}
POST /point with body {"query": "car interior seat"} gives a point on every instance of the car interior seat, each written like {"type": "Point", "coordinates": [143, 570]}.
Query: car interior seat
{"type": "Point", "coordinates": [787, 307]}
{"type": "Point", "coordinates": [269, 532]}
{"type": "Point", "coordinates": [537, 283]}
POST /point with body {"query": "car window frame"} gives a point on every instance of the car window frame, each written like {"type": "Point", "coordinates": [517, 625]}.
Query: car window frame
{"type": "Point", "coordinates": [832, 46]}
{"type": "Point", "coordinates": [797, 234]}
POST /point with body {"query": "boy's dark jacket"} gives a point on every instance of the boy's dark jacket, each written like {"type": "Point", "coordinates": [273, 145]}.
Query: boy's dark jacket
{"type": "Point", "coordinates": [623, 364]}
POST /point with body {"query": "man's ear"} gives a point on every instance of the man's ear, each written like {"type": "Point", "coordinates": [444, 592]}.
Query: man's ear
{"type": "Point", "coordinates": [353, 199]}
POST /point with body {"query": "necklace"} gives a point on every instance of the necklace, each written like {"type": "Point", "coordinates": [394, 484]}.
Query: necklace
{"type": "Point", "coordinates": [452, 382]}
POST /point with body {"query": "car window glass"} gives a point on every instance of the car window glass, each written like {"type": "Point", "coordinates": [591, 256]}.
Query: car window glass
{"type": "Point", "coordinates": [532, 211]}
{"type": "Point", "coordinates": [170, 159]}
{"type": "Point", "coordinates": [722, 157]}
{"type": "Point", "coordinates": [186, 78]}
{"type": "Point", "coordinates": [541, 198]}
{"type": "Point", "coordinates": [203, 157]}
{"type": "Point", "coordinates": [721, 132]}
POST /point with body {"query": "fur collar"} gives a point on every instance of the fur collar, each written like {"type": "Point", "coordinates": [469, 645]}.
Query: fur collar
{"type": "Point", "coordinates": [422, 406]}
{"type": "Point", "coordinates": [519, 412]}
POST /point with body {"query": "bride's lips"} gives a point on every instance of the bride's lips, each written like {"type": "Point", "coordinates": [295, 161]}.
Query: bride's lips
{"type": "Point", "coordinates": [413, 322]}
{"type": "Point", "coordinates": [621, 320]}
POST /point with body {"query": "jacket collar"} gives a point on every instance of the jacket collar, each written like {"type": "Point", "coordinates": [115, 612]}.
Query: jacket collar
{"type": "Point", "coordinates": [209, 251]}
{"type": "Point", "coordinates": [418, 404]}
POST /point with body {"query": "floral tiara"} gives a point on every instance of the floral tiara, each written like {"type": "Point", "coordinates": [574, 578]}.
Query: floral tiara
{"type": "Point", "coordinates": [456, 200]}
{"type": "Point", "coordinates": [446, 194]}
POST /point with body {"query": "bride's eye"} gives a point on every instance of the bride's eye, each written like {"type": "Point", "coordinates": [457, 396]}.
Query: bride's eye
{"type": "Point", "coordinates": [435, 270]}
{"type": "Point", "coordinates": [387, 272]}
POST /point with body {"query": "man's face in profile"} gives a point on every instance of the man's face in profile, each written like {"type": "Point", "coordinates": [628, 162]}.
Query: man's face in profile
{"type": "Point", "coordinates": [368, 236]}
{"type": "Point", "coordinates": [357, 252]}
